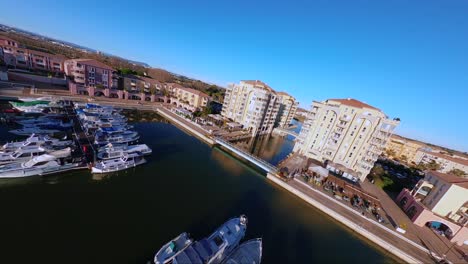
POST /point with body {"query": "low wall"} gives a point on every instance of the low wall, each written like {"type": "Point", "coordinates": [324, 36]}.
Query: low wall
{"type": "Point", "coordinates": [206, 139]}
{"type": "Point", "coordinates": [377, 240]}
{"type": "Point", "coordinates": [17, 76]}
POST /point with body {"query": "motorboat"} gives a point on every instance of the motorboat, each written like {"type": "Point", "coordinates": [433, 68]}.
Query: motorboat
{"type": "Point", "coordinates": [248, 252]}
{"type": "Point", "coordinates": [111, 152]}
{"type": "Point", "coordinates": [33, 130]}
{"type": "Point", "coordinates": [122, 163]}
{"type": "Point", "coordinates": [31, 105]}
{"type": "Point", "coordinates": [21, 154]}
{"type": "Point", "coordinates": [41, 165]}
{"type": "Point", "coordinates": [59, 125]}
{"type": "Point", "coordinates": [211, 250]}
{"type": "Point", "coordinates": [119, 138]}
{"type": "Point", "coordinates": [36, 140]}
{"type": "Point", "coordinates": [172, 248]}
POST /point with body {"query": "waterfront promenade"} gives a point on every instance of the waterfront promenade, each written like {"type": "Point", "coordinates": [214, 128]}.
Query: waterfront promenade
{"type": "Point", "coordinates": [390, 241]}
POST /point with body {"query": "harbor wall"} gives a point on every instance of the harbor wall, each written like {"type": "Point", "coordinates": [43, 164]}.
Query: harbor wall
{"type": "Point", "coordinates": [363, 232]}
{"type": "Point", "coordinates": [182, 124]}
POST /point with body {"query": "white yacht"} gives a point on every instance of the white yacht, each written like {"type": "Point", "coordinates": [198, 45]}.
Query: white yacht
{"type": "Point", "coordinates": [112, 152]}
{"type": "Point", "coordinates": [122, 163]}
{"type": "Point", "coordinates": [118, 138]}
{"type": "Point", "coordinates": [21, 154]}
{"type": "Point", "coordinates": [211, 250]}
{"type": "Point", "coordinates": [248, 252]}
{"type": "Point", "coordinates": [33, 130]}
{"type": "Point", "coordinates": [40, 165]}
{"type": "Point", "coordinates": [36, 140]}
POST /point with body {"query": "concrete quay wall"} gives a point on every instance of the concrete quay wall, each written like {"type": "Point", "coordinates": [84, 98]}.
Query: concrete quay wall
{"type": "Point", "coordinates": [185, 126]}
{"type": "Point", "coordinates": [363, 232]}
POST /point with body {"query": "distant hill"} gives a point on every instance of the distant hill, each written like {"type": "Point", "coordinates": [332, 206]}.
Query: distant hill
{"type": "Point", "coordinates": [73, 51]}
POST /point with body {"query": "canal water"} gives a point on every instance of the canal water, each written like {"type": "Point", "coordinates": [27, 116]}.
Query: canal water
{"type": "Point", "coordinates": [186, 185]}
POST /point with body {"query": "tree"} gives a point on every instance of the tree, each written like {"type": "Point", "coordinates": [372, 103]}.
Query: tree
{"type": "Point", "coordinates": [404, 158]}
{"type": "Point", "coordinates": [457, 172]}
{"type": "Point", "coordinates": [433, 165]}
{"type": "Point", "coordinates": [390, 152]}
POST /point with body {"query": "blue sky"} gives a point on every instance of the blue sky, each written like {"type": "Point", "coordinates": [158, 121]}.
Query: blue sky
{"type": "Point", "coordinates": [408, 58]}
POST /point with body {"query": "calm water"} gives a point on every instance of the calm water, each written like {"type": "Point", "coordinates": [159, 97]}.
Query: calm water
{"type": "Point", "coordinates": [186, 186]}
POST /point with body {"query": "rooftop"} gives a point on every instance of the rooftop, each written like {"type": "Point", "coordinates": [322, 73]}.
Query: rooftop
{"type": "Point", "coordinates": [258, 83]}
{"type": "Point", "coordinates": [447, 157]}
{"type": "Point", "coordinates": [463, 182]}
{"type": "Point", "coordinates": [353, 103]}
{"type": "Point", "coordinates": [94, 63]}
{"type": "Point", "coordinates": [197, 92]}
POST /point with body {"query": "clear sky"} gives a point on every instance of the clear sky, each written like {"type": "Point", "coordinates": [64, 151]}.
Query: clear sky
{"type": "Point", "coordinates": [408, 58]}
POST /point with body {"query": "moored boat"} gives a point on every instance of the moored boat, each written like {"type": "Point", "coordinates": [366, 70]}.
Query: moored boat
{"type": "Point", "coordinates": [122, 163]}
{"type": "Point", "coordinates": [36, 140]}
{"type": "Point", "coordinates": [33, 130]}
{"type": "Point", "coordinates": [21, 154]}
{"type": "Point", "coordinates": [213, 249]}
{"type": "Point", "coordinates": [111, 152]}
{"type": "Point", "coordinates": [249, 252]}
{"type": "Point", "coordinates": [41, 165]}
{"type": "Point", "coordinates": [172, 248]}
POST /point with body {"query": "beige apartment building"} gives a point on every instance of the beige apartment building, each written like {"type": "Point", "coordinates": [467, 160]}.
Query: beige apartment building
{"type": "Point", "coordinates": [346, 134]}
{"type": "Point", "coordinates": [287, 109]}
{"type": "Point", "coordinates": [404, 149]}
{"type": "Point", "coordinates": [189, 98]}
{"type": "Point", "coordinates": [253, 104]}
{"type": "Point", "coordinates": [447, 163]}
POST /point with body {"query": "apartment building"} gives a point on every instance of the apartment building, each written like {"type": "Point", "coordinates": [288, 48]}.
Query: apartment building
{"type": "Point", "coordinates": [287, 109]}
{"type": "Point", "coordinates": [447, 163]}
{"type": "Point", "coordinates": [440, 200]}
{"type": "Point", "coordinates": [89, 73]}
{"type": "Point", "coordinates": [133, 83]}
{"type": "Point", "coordinates": [345, 133]}
{"type": "Point", "coordinates": [253, 104]}
{"type": "Point", "coordinates": [16, 56]}
{"type": "Point", "coordinates": [403, 149]}
{"type": "Point", "coordinates": [189, 98]}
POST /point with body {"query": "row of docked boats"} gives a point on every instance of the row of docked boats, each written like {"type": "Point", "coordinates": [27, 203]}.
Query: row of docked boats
{"type": "Point", "coordinates": [221, 247]}
{"type": "Point", "coordinates": [37, 155]}
{"type": "Point", "coordinates": [116, 142]}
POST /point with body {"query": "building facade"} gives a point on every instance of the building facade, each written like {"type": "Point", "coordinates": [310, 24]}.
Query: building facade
{"type": "Point", "coordinates": [287, 109]}
{"type": "Point", "coordinates": [447, 163]}
{"type": "Point", "coordinates": [253, 104]}
{"type": "Point", "coordinates": [16, 56]}
{"type": "Point", "coordinates": [345, 132]}
{"type": "Point", "coordinates": [403, 149]}
{"type": "Point", "coordinates": [441, 200]}
{"type": "Point", "coordinates": [89, 73]}
{"type": "Point", "coordinates": [189, 98]}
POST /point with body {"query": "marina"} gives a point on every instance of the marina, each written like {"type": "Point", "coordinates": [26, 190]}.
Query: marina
{"type": "Point", "coordinates": [95, 129]}
{"type": "Point", "coordinates": [206, 173]}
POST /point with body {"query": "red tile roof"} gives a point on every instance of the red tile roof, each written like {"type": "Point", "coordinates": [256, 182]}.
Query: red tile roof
{"type": "Point", "coordinates": [463, 182]}
{"type": "Point", "coordinates": [353, 103]}
{"type": "Point", "coordinates": [190, 90]}
{"type": "Point", "coordinates": [259, 83]}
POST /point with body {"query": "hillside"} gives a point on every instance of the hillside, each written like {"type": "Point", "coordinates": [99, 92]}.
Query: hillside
{"type": "Point", "coordinates": [34, 43]}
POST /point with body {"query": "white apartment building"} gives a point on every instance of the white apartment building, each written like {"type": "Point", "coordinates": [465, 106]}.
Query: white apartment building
{"type": "Point", "coordinates": [287, 110]}
{"type": "Point", "coordinates": [253, 104]}
{"type": "Point", "coordinates": [346, 134]}
{"type": "Point", "coordinates": [447, 163]}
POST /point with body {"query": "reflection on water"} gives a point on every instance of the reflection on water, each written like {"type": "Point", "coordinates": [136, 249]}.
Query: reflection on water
{"type": "Point", "coordinates": [125, 217]}
{"type": "Point", "coordinates": [272, 148]}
